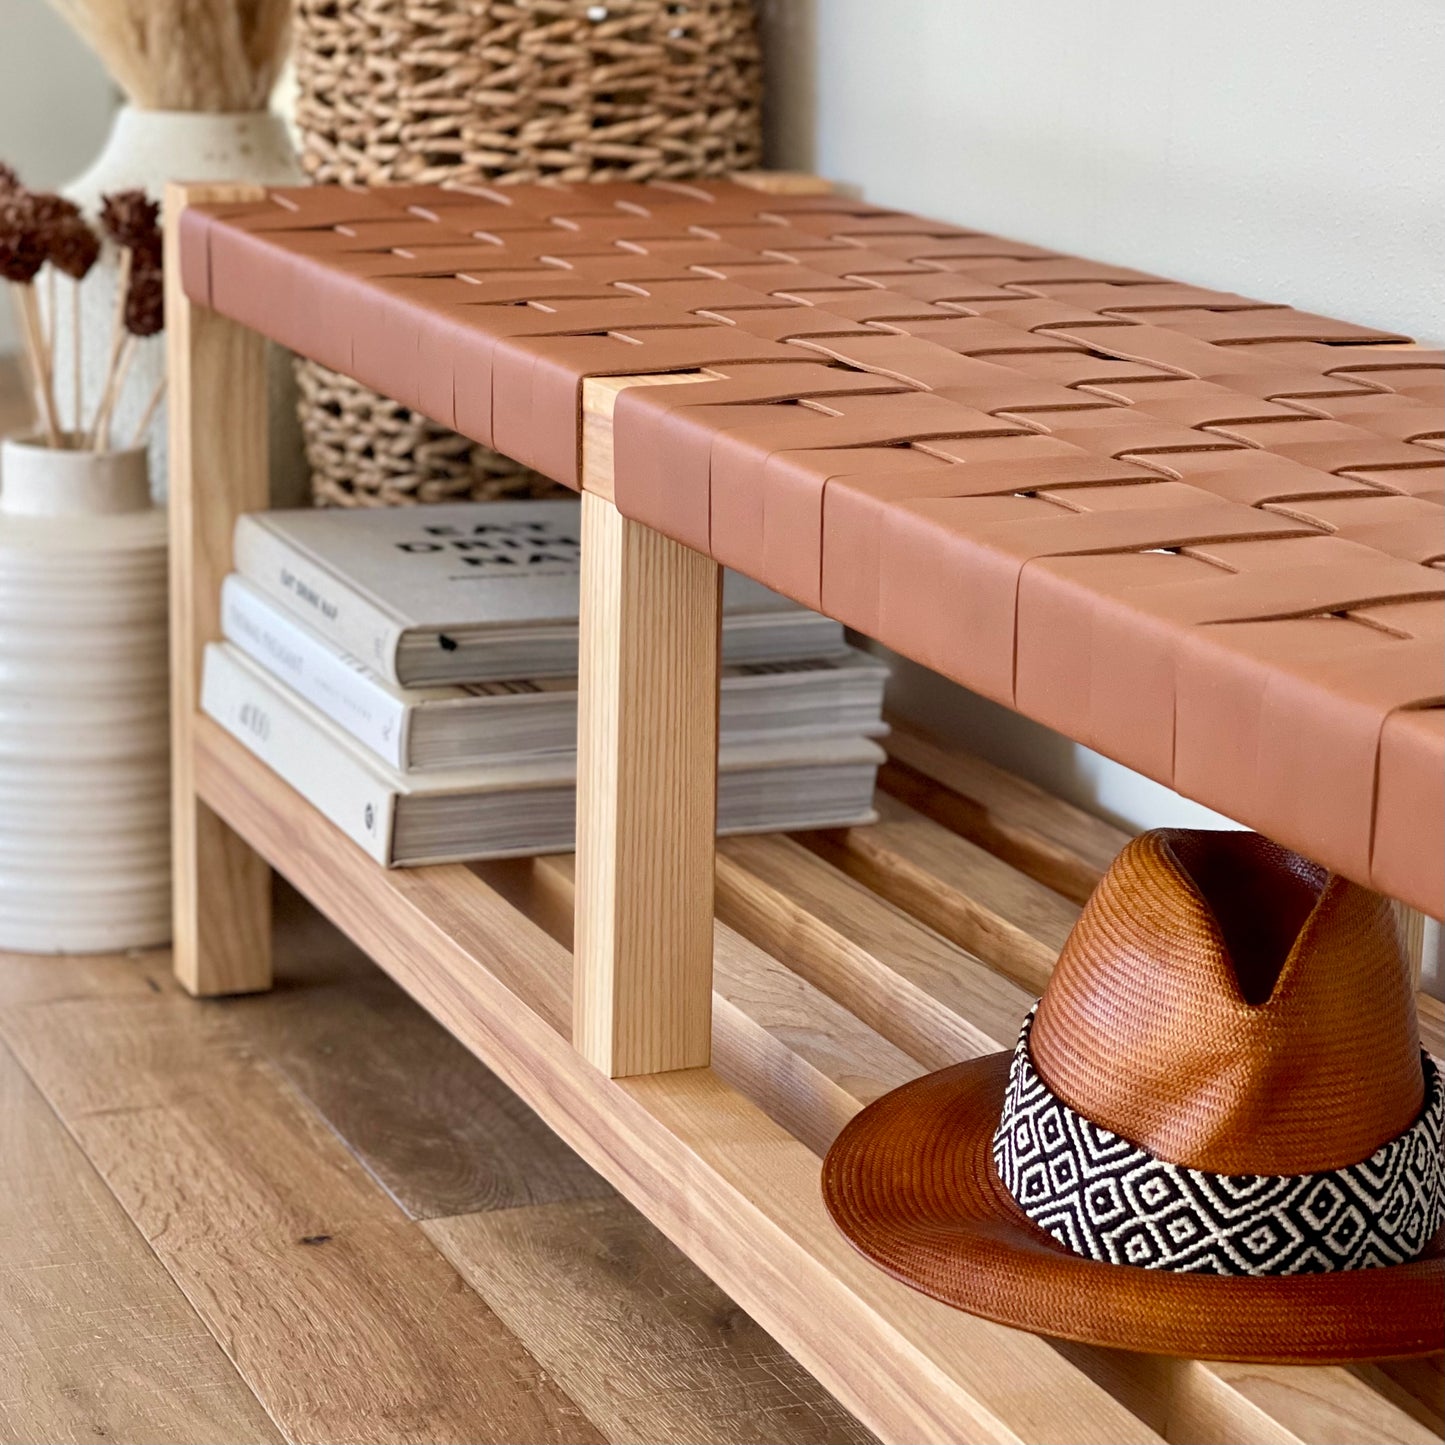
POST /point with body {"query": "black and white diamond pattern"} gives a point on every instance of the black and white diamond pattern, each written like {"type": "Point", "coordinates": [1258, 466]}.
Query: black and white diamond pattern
{"type": "Point", "coordinates": [1108, 1199]}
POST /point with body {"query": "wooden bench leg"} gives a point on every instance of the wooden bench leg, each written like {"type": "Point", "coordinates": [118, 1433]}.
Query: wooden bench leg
{"type": "Point", "coordinates": [218, 469]}
{"type": "Point", "coordinates": [646, 797]}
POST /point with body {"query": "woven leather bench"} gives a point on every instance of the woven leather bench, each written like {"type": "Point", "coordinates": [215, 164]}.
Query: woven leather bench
{"type": "Point", "coordinates": [1196, 532]}
{"type": "Point", "coordinates": [1200, 533]}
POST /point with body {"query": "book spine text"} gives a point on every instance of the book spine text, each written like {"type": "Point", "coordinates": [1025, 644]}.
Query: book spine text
{"type": "Point", "coordinates": [330, 680]}
{"type": "Point", "coordinates": [327, 605]}
{"type": "Point", "coordinates": [337, 782]}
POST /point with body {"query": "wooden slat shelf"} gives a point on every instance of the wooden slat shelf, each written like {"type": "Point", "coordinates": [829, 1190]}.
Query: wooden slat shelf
{"type": "Point", "coordinates": [826, 995]}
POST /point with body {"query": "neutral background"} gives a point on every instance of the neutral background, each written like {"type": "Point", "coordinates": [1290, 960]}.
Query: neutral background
{"type": "Point", "coordinates": [55, 105]}
{"type": "Point", "coordinates": [1293, 149]}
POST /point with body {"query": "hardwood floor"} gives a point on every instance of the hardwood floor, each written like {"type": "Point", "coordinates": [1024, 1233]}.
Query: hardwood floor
{"type": "Point", "coordinates": [311, 1215]}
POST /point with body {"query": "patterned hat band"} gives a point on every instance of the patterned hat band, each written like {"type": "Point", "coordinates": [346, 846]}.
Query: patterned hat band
{"type": "Point", "coordinates": [1106, 1198]}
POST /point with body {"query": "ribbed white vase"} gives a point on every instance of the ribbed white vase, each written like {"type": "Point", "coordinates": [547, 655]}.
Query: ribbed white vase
{"type": "Point", "coordinates": [84, 745]}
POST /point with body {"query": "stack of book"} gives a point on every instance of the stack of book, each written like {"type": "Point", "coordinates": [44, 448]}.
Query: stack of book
{"type": "Point", "coordinates": [412, 674]}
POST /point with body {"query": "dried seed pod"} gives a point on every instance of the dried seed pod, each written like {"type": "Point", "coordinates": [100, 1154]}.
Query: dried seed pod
{"type": "Point", "coordinates": [74, 248]}
{"type": "Point", "coordinates": [132, 219]}
{"type": "Point", "coordinates": [22, 249]}
{"type": "Point", "coordinates": [145, 300]}
{"type": "Point", "coordinates": [71, 246]}
{"type": "Point", "coordinates": [53, 210]}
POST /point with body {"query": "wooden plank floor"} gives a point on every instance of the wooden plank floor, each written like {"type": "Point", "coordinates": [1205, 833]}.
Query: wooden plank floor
{"type": "Point", "coordinates": [311, 1215]}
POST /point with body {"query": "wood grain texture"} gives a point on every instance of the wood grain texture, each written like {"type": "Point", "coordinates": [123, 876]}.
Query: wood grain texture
{"type": "Point", "coordinates": [1413, 925]}
{"type": "Point", "coordinates": [1275, 1403]}
{"type": "Point", "coordinates": [98, 1343]}
{"type": "Point", "coordinates": [635, 1332]}
{"type": "Point", "coordinates": [730, 1187]}
{"type": "Point", "coordinates": [218, 469]}
{"type": "Point", "coordinates": [1226, 1404]}
{"type": "Point", "coordinates": [784, 183]}
{"type": "Point", "coordinates": [647, 710]}
{"type": "Point", "coordinates": [339, 1314]}
{"type": "Point", "coordinates": [589, 1288]}
{"type": "Point", "coordinates": [926, 995]}
{"type": "Point", "coordinates": [1041, 835]}
{"type": "Point", "coordinates": [754, 1171]}
{"type": "Point", "coordinates": [991, 910]}
{"type": "Point", "coordinates": [436, 1129]}
{"type": "Point", "coordinates": [36, 977]}
{"type": "Point", "coordinates": [599, 401]}
{"type": "Point", "coordinates": [1432, 1023]}
{"type": "Point", "coordinates": [1417, 1386]}
{"type": "Point", "coordinates": [801, 1057]}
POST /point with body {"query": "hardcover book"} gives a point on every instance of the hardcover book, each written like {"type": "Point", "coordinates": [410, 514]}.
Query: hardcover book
{"type": "Point", "coordinates": [506, 809]}
{"type": "Point", "coordinates": [471, 591]}
{"type": "Point", "coordinates": [466, 724]}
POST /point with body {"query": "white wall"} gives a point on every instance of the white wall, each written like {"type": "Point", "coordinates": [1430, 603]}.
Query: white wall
{"type": "Point", "coordinates": [1291, 149]}
{"type": "Point", "coordinates": [56, 104]}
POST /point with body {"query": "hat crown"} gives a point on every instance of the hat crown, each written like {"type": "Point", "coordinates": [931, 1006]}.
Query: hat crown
{"type": "Point", "coordinates": [1231, 1007]}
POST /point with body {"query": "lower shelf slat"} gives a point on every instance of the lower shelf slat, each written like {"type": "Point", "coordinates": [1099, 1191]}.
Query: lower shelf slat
{"type": "Point", "coordinates": [827, 994]}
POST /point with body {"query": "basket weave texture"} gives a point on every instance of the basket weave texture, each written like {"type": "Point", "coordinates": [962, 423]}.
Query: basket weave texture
{"type": "Point", "coordinates": [471, 91]}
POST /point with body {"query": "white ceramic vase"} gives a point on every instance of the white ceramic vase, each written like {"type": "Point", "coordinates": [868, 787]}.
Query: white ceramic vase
{"type": "Point", "coordinates": [84, 745]}
{"type": "Point", "coordinates": [145, 149]}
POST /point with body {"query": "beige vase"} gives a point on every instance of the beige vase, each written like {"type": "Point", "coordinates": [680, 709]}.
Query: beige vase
{"type": "Point", "coordinates": [84, 747]}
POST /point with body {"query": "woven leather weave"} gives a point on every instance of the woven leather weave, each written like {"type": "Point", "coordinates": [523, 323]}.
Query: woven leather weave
{"type": "Point", "coordinates": [1198, 532]}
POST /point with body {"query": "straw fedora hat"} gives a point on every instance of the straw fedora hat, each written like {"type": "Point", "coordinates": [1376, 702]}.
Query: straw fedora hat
{"type": "Point", "coordinates": [1217, 1136]}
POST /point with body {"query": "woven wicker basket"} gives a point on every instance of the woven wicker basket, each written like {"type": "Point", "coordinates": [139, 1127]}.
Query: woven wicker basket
{"type": "Point", "coordinates": [426, 91]}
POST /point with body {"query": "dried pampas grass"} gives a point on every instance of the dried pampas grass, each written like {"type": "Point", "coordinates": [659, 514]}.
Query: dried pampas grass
{"type": "Point", "coordinates": [198, 55]}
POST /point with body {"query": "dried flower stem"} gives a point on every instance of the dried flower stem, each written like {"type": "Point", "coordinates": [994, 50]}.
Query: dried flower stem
{"type": "Point", "coordinates": [31, 360]}
{"type": "Point", "coordinates": [149, 414]}
{"type": "Point", "coordinates": [32, 356]}
{"type": "Point", "coordinates": [117, 345]}
{"type": "Point", "coordinates": [113, 392]}
{"type": "Point", "coordinates": [77, 332]}
{"type": "Point", "coordinates": [37, 355]}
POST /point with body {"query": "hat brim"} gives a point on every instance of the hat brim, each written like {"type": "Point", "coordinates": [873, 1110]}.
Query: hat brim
{"type": "Point", "coordinates": [911, 1183]}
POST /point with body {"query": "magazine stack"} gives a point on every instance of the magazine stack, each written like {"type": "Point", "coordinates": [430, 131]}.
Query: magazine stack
{"type": "Point", "coordinates": [411, 672]}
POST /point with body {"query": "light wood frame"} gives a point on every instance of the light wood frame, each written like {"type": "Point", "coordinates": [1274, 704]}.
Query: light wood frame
{"type": "Point", "coordinates": [646, 797]}
{"type": "Point", "coordinates": [218, 469]}
{"type": "Point", "coordinates": [696, 1072]}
